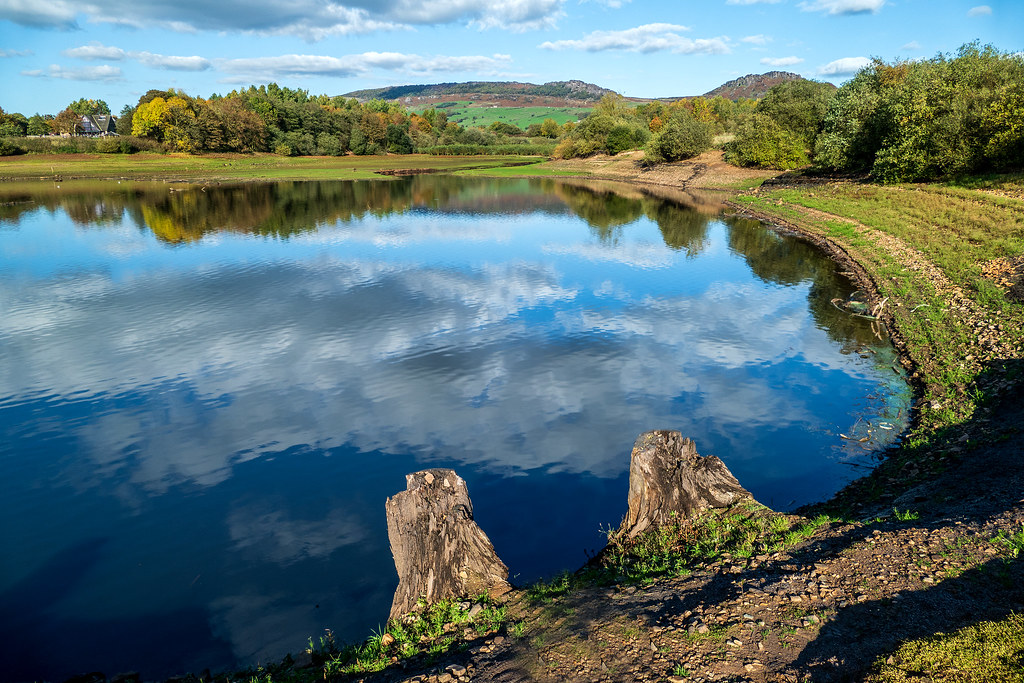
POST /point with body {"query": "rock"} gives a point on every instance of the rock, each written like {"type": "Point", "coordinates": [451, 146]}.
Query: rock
{"type": "Point", "coordinates": [127, 677]}
{"type": "Point", "coordinates": [669, 480]}
{"type": "Point", "coordinates": [456, 670]}
{"type": "Point", "coordinates": [439, 551]}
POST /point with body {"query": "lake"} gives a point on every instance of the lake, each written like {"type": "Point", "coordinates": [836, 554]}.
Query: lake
{"type": "Point", "coordinates": [207, 392]}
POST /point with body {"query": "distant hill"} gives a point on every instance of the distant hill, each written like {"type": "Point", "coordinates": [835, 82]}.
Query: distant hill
{"type": "Point", "coordinates": [752, 85]}
{"type": "Point", "coordinates": [513, 91]}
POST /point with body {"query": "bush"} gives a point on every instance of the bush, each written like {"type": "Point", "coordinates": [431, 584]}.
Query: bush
{"type": "Point", "coordinates": [941, 117]}
{"type": "Point", "coordinates": [328, 145]}
{"type": "Point", "coordinates": [682, 137]}
{"type": "Point", "coordinates": [624, 137]}
{"type": "Point", "coordinates": [398, 140]}
{"type": "Point", "coordinates": [798, 106]}
{"type": "Point", "coordinates": [109, 146]}
{"type": "Point", "coordinates": [8, 148]}
{"type": "Point", "coordinates": [763, 143]}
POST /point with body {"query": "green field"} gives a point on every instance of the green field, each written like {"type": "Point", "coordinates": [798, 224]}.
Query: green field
{"type": "Point", "coordinates": [247, 167]}
{"type": "Point", "coordinates": [468, 113]}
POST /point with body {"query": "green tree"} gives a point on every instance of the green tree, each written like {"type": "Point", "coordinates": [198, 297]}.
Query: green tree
{"type": "Point", "coordinates": [39, 125]}
{"type": "Point", "coordinates": [950, 115]}
{"type": "Point", "coordinates": [124, 120]}
{"type": "Point", "coordinates": [626, 136]}
{"type": "Point", "coordinates": [13, 124]}
{"type": "Point", "coordinates": [503, 128]}
{"type": "Point", "coordinates": [85, 106]}
{"type": "Point", "coordinates": [798, 106]}
{"type": "Point", "coordinates": [681, 137]}
{"type": "Point", "coordinates": [762, 142]}
{"type": "Point", "coordinates": [549, 128]}
{"type": "Point", "coordinates": [398, 140]}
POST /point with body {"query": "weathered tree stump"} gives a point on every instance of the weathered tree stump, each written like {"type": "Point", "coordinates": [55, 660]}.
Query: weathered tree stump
{"type": "Point", "coordinates": [666, 476]}
{"type": "Point", "coordinates": [439, 551]}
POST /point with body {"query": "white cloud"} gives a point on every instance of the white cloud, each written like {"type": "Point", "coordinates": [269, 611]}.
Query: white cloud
{"type": "Point", "coordinates": [14, 53]}
{"type": "Point", "coordinates": [88, 73]}
{"type": "Point", "coordinates": [751, 2]}
{"type": "Point", "coordinates": [842, 6]}
{"type": "Point", "coordinates": [646, 38]}
{"type": "Point", "coordinates": [847, 66]}
{"type": "Point", "coordinates": [96, 50]}
{"type": "Point", "coordinates": [308, 19]}
{"type": "Point", "coordinates": [613, 4]}
{"type": "Point", "coordinates": [759, 39]}
{"type": "Point", "coordinates": [172, 63]}
{"type": "Point", "coordinates": [781, 61]}
{"type": "Point", "coordinates": [912, 45]}
{"type": "Point", "coordinates": [979, 11]}
{"type": "Point", "coordinates": [351, 65]}
{"type": "Point", "coordinates": [57, 14]}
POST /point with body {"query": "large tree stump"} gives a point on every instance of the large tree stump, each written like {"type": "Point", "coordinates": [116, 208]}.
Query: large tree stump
{"type": "Point", "coordinates": [439, 551]}
{"type": "Point", "coordinates": [667, 476]}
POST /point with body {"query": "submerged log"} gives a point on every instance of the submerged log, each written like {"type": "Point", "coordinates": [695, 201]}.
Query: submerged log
{"type": "Point", "coordinates": [439, 551]}
{"type": "Point", "coordinates": [668, 480]}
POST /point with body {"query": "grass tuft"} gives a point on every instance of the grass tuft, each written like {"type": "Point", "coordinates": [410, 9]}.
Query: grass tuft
{"type": "Point", "coordinates": [982, 653]}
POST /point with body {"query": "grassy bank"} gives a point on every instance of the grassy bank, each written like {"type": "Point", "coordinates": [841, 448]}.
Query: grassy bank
{"type": "Point", "coordinates": [934, 254]}
{"type": "Point", "coordinates": [214, 167]}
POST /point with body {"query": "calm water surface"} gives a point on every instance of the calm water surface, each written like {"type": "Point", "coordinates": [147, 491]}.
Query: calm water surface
{"type": "Point", "coordinates": [206, 394]}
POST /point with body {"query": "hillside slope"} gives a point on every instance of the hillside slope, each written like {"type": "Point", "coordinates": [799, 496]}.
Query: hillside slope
{"type": "Point", "coordinates": [575, 91]}
{"type": "Point", "coordinates": [752, 86]}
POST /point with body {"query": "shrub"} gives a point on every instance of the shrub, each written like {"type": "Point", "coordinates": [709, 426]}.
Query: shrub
{"type": "Point", "coordinates": [398, 140]}
{"type": "Point", "coordinates": [328, 145]}
{"type": "Point", "coordinates": [763, 143]}
{"type": "Point", "coordinates": [798, 106]}
{"type": "Point", "coordinates": [623, 137]}
{"type": "Point", "coordinates": [682, 137]}
{"type": "Point", "coordinates": [8, 148]}
{"type": "Point", "coordinates": [108, 146]}
{"type": "Point", "coordinates": [947, 116]}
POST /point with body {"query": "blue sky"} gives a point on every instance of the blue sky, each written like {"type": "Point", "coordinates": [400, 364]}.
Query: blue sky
{"type": "Point", "coordinates": [53, 52]}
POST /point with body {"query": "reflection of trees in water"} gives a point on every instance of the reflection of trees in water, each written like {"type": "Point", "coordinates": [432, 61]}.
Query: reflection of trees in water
{"type": "Point", "coordinates": [682, 228]}
{"type": "Point", "coordinates": [606, 212]}
{"type": "Point", "coordinates": [786, 260]}
{"type": "Point", "coordinates": [182, 213]}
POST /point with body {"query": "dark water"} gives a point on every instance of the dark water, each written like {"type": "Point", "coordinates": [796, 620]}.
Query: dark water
{"type": "Point", "coordinates": [206, 394]}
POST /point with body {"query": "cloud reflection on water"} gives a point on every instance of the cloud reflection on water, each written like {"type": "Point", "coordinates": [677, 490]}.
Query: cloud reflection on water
{"type": "Point", "coordinates": [199, 350]}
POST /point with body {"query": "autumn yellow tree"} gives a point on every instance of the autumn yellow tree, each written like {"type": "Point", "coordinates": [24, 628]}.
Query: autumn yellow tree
{"type": "Point", "coordinates": [148, 119]}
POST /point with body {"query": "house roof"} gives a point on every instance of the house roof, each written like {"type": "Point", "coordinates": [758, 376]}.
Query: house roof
{"type": "Point", "coordinates": [93, 124]}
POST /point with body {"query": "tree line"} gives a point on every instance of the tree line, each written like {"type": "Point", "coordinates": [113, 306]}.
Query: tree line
{"type": "Point", "coordinates": [897, 121]}
{"type": "Point", "coordinates": [893, 121]}
{"type": "Point", "coordinates": [285, 121]}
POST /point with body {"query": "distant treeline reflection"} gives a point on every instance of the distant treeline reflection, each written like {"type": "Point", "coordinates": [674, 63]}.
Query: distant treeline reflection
{"type": "Point", "coordinates": [183, 213]}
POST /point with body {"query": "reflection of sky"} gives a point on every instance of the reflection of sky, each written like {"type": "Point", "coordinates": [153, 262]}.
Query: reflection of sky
{"type": "Point", "coordinates": [154, 390]}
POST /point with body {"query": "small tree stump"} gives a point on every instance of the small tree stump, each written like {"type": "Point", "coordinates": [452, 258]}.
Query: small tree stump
{"type": "Point", "coordinates": [667, 476]}
{"type": "Point", "coordinates": [439, 551]}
